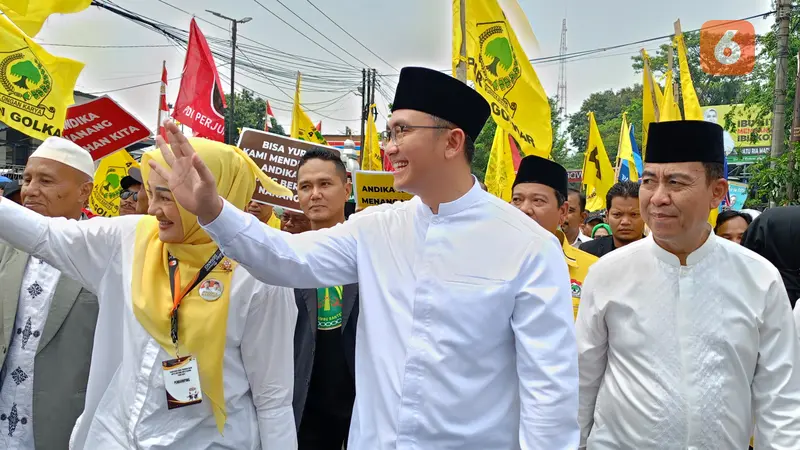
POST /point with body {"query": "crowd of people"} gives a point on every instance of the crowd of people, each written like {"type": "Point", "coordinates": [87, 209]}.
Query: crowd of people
{"type": "Point", "coordinates": [200, 319]}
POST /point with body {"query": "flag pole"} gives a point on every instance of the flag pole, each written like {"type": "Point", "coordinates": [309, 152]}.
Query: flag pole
{"type": "Point", "coordinates": [161, 93]}
{"type": "Point", "coordinates": [461, 69]}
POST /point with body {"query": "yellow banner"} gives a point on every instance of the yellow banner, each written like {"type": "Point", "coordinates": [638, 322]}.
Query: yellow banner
{"type": "Point", "coordinates": [104, 200]}
{"type": "Point", "coordinates": [737, 142]}
{"type": "Point", "coordinates": [652, 99]}
{"type": "Point", "coordinates": [500, 170]}
{"type": "Point", "coordinates": [504, 76]}
{"type": "Point", "coordinates": [302, 126]}
{"type": "Point", "coordinates": [35, 86]}
{"type": "Point", "coordinates": [30, 15]}
{"type": "Point", "coordinates": [371, 153]}
{"type": "Point", "coordinates": [375, 188]}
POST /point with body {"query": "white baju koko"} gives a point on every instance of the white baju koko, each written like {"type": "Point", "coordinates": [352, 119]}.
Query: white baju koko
{"type": "Point", "coordinates": [126, 404]}
{"type": "Point", "coordinates": [16, 393]}
{"type": "Point", "coordinates": [687, 357]}
{"type": "Point", "coordinates": [465, 334]}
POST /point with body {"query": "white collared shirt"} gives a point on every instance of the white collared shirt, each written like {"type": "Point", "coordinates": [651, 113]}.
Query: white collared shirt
{"type": "Point", "coordinates": [465, 333]}
{"type": "Point", "coordinates": [126, 405]}
{"type": "Point", "coordinates": [580, 239]}
{"type": "Point", "coordinates": [676, 356]}
{"type": "Point", "coordinates": [16, 393]}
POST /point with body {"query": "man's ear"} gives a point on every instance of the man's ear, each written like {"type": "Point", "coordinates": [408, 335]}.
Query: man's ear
{"type": "Point", "coordinates": [348, 188]}
{"type": "Point", "coordinates": [719, 188]}
{"type": "Point", "coordinates": [85, 192]}
{"type": "Point", "coordinates": [455, 144]}
{"type": "Point", "coordinates": [563, 211]}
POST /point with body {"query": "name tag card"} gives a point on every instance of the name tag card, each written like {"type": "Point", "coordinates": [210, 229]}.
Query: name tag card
{"type": "Point", "coordinates": [182, 382]}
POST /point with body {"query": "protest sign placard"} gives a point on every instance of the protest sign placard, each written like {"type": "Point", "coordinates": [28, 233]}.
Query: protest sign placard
{"type": "Point", "coordinates": [374, 188]}
{"type": "Point", "coordinates": [279, 157]}
{"type": "Point", "coordinates": [102, 127]}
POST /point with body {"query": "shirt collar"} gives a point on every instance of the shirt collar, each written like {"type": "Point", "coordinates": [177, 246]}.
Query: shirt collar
{"type": "Point", "coordinates": [566, 248]}
{"type": "Point", "coordinates": [458, 205]}
{"type": "Point", "coordinates": [695, 257]}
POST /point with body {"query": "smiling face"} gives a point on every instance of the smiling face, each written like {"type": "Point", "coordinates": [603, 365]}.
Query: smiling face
{"type": "Point", "coordinates": [164, 207]}
{"type": "Point", "coordinates": [675, 200]}
{"type": "Point", "coordinates": [422, 154]}
{"type": "Point", "coordinates": [539, 202]}
{"type": "Point", "coordinates": [322, 191]}
{"type": "Point", "coordinates": [54, 189]}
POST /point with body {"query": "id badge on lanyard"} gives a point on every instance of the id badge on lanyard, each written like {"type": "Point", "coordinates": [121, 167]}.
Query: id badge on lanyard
{"type": "Point", "coordinates": [182, 375]}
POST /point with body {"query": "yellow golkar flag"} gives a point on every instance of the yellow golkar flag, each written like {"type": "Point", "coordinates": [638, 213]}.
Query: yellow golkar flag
{"type": "Point", "coordinates": [371, 148]}
{"type": "Point", "coordinates": [669, 108]}
{"type": "Point", "coordinates": [104, 200]}
{"type": "Point", "coordinates": [652, 98]}
{"type": "Point", "coordinates": [302, 126]}
{"type": "Point", "coordinates": [29, 15]}
{"type": "Point", "coordinates": [35, 86]}
{"type": "Point", "coordinates": [500, 171]}
{"type": "Point", "coordinates": [503, 75]}
{"type": "Point", "coordinates": [598, 173]}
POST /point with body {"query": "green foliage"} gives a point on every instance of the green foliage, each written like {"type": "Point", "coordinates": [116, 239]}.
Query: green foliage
{"type": "Point", "coordinates": [769, 178]}
{"type": "Point", "coordinates": [250, 112]}
{"type": "Point", "coordinates": [483, 146]}
{"type": "Point", "coordinates": [607, 107]}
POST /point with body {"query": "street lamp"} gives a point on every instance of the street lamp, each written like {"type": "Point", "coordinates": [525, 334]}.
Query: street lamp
{"type": "Point", "coordinates": [231, 107]}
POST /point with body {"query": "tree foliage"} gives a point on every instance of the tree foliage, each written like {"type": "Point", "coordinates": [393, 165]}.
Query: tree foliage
{"type": "Point", "coordinates": [250, 112]}
{"type": "Point", "coordinates": [607, 107]}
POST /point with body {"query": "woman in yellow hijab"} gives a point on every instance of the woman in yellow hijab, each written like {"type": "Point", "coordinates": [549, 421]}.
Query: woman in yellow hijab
{"type": "Point", "coordinates": [190, 351]}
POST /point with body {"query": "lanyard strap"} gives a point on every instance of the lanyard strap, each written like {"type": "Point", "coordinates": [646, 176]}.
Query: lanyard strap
{"type": "Point", "coordinates": [177, 296]}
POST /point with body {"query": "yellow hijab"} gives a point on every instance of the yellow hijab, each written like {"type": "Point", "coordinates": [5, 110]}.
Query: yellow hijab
{"type": "Point", "coordinates": [203, 324]}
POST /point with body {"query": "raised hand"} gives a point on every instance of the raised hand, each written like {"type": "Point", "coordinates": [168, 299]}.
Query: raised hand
{"type": "Point", "coordinates": [191, 182]}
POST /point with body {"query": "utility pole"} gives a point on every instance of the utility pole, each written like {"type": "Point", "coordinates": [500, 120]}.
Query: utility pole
{"type": "Point", "coordinates": [231, 108]}
{"type": "Point", "coordinates": [365, 81]}
{"type": "Point", "coordinates": [461, 68]}
{"type": "Point", "coordinates": [781, 69]}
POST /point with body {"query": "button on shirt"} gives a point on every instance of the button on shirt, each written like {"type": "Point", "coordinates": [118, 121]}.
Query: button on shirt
{"type": "Point", "coordinates": [16, 392]}
{"type": "Point", "coordinates": [465, 335]}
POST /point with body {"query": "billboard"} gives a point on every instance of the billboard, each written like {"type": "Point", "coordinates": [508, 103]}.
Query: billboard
{"type": "Point", "coordinates": [738, 144]}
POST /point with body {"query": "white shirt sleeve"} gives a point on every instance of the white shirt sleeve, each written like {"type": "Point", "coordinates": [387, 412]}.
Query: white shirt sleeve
{"type": "Point", "coordinates": [268, 356]}
{"type": "Point", "coordinates": [776, 383]}
{"type": "Point", "coordinates": [547, 363]}
{"type": "Point", "coordinates": [81, 250]}
{"type": "Point", "coordinates": [592, 335]}
{"type": "Point", "coordinates": [307, 260]}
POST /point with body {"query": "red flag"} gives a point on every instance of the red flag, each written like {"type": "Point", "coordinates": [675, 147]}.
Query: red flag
{"type": "Point", "coordinates": [515, 156]}
{"type": "Point", "coordinates": [163, 108]}
{"type": "Point", "coordinates": [319, 126]}
{"type": "Point", "coordinates": [268, 119]}
{"type": "Point", "coordinates": [201, 101]}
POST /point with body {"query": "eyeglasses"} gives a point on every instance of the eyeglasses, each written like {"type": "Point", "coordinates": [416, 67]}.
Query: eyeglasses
{"type": "Point", "coordinates": [127, 194]}
{"type": "Point", "coordinates": [397, 133]}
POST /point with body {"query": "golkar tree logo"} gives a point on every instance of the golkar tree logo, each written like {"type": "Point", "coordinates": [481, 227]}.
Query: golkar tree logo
{"type": "Point", "coordinates": [497, 68]}
{"type": "Point", "coordinates": [26, 82]}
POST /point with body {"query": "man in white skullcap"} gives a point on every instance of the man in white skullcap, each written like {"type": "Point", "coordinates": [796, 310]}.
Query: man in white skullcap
{"type": "Point", "coordinates": [46, 321]}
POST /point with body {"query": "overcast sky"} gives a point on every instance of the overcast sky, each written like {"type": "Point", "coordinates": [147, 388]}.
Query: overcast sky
{"type": "Point", "coordinates": [411, 32]}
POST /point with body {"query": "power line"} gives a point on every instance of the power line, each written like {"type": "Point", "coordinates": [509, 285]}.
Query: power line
{"type": "Point", "coordinates": [300, 32]}
{"type": "Point", "coordinates": [105, 46]}
{"type": "Point", "coordinates": [351, 36]}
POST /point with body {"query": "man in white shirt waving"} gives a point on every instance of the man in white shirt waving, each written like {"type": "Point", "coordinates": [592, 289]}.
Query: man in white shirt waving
{"type": "Point", "coordinates": [465, 335]}
{"type": "Point", "coordinates": [684, 337]}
